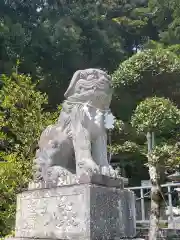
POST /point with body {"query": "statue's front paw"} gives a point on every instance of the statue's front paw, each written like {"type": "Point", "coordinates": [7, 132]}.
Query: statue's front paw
{"type": "Point", "coordinates": [88, 166]}
{"type": "Point", "coordinates": [109, 171]}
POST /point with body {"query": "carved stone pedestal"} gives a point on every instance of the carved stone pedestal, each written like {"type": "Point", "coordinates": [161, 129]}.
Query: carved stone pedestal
{"type": "Point", "coordinates": [84, 211]}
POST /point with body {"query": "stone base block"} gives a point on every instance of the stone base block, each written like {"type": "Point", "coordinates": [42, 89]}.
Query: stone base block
{"type": "Point", "coordinates": [96, 179]}
{"type": "Point", "coordinates": [76, 212]}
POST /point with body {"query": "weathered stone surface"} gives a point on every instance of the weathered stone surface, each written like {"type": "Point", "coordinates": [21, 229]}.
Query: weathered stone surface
{"type": "Point", "coordinates": [83, 211]}
{"type": "Point", "coordinates": [102, 180]}
{"type": "Point", "coordinates": [98, 179]}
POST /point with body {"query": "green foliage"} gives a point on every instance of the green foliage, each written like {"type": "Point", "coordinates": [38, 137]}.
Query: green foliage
{"type": "Point", "coordinates": [12, 180]}
{"type": "Point", "coordinates": [22, 119]}
{"type": "Point", "coordinates": [150, 63]}
{"type": "Point", "coordinates": [175, 48]}
{"type": "Point", "coordinates": [146, 74]}
{"type": "Point", "coordinates": [161, 116]}
{"type": "Point", "coordinates": [56, 38]}
{"type": "Point", "coordinates": [119, 125]}
{"type": "Point", "coordinates": [166, 156]}
{"type": "Point", "coordinates": [150, 73]}
{"type": "Point", "coordinates": [126, 147]}
{"type": "Point", "coordinates": [129, 152]}
{"type": "Point", "coordinates": [157, 115]}
{"type": "Point", "coordinates": [165, 16]}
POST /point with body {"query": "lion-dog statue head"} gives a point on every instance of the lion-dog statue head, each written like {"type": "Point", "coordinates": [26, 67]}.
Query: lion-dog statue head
{"type": "Point", "coordinates": [92, 85]}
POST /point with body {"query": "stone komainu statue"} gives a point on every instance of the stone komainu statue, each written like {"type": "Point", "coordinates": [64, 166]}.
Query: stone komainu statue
{"type": "Point", "coordinates": [77, 143]}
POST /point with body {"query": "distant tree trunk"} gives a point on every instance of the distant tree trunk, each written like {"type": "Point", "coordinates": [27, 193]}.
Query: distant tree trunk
{"type": "Point", "coordinates": [155, 193]}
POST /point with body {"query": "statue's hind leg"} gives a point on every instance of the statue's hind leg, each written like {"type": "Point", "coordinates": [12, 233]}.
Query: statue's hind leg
{"type": "Point", "coordinates": [55, 160]}
{"type": "Point", "coordinates": [63, 169]}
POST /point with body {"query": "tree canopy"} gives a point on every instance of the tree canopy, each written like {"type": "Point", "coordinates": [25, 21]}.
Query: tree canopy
{"type": "Point", "coordinates": [156, 115]}
{"type": "Point", "coordinates": [153, 72]}
{"type": "Point", "coordinates": [55, 38]}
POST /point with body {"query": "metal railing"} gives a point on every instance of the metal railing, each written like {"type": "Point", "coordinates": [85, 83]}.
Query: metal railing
{"type": "Point", "coordinates": [143, 202]}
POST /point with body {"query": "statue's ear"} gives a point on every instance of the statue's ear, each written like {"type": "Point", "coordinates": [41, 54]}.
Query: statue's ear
{"type": "Point", "coordinates": [72, 84]}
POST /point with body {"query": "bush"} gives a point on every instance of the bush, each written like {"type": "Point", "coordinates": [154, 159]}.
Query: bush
{"type": "Point", "coordinates": [22, 119]}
